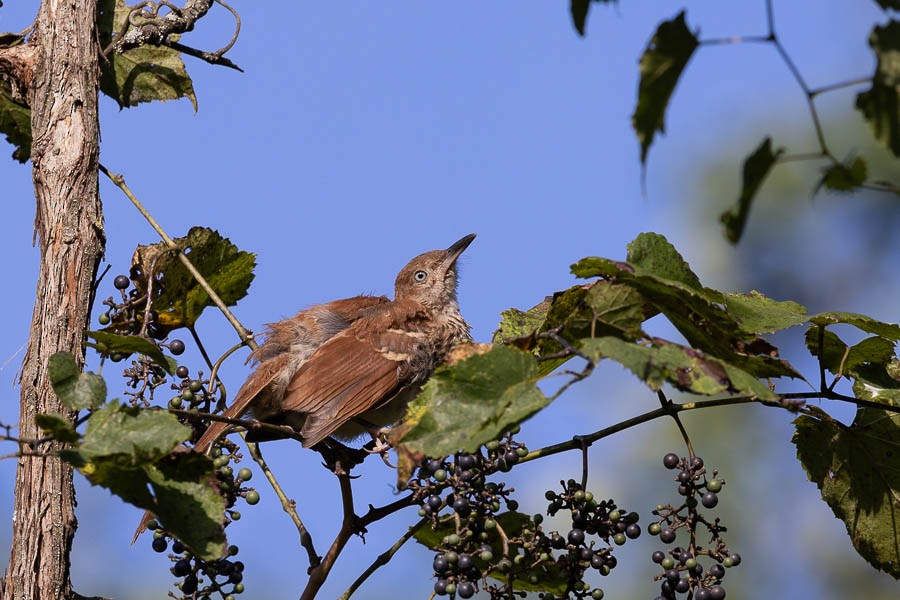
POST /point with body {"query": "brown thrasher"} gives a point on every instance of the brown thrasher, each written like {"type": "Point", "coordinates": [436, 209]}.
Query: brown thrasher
{"type": "Point", "coordinates": [349, 366]}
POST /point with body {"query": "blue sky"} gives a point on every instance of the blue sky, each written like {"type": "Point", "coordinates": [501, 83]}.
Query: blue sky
{"type": "Point", "coordinates": [362, 134]}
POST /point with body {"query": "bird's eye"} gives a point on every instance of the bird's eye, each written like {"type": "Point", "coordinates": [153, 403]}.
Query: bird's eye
{"type": "Point", "coordinates": [420, 276]}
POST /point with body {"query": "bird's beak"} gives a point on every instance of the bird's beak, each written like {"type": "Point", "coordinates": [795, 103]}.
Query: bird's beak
{"type": "Point", "coordinates": [456, 249]}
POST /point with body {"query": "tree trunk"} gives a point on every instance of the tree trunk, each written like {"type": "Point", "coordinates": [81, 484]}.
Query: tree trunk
{"type": "Point", "coordinates": [69, 227]}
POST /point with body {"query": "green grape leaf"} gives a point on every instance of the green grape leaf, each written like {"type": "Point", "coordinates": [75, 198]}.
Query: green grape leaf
{"type": "Point", "coordinates": [844, 177]}
{"type": "Point", "coordinates": [598, 308]}
{"type": "Point", "coordinates": [15, 124]}
{"type": "Point", "coordinates": [473, 401]}
{"type": "Point", "coordinates": [758, 314]}
{"type": "Point", "coordinates": [133, 436]}
{"type": "Point", "coordinates": [699, 315]}
{"type": "Point", "coordinates": [187, 502]}
{"type": "Point", "coordinates": [141, 74]}
{"type": "Point", "coordinates": [890, 331]}
{"type": "Point", "coordinates": [831, 350]}
{"type": "Point", "coordinates": [874, 382]}
{"type": "Point", "coordinates": [665, 57]}
{"type": "Point", "coordinates": [57, 426]}
{"type": "Point", "coordinates": [856, 471]}
{"type": "Point", "coordinates": [75, 389]}
{"type": "Point", "coordinates": [177, 297]}
{"type": "Point", "coordinates": [880, 104]}
{"type": "Point", "coordinates": [652, 254]}
{"type": "Point", "coordinates": [685, 368]}
{"type": "Point", "coordinates": [129, 451]}
{"type": "Point", "coordinates": [108, 343]}
{"type": "Point", "coordinates": [756, 168]}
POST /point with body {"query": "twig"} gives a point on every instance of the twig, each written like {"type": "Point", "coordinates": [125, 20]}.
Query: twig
{"type": "Point", "coordinates": [665, 402]}
{"type": "Point", "coordinates": [349, 526]}
{"type": "Point", "coordinates": [382, 559]}
{"type": "Point", "coordinates": [287, 504]}
{"type": "Point", "coordinates": [243, 333]}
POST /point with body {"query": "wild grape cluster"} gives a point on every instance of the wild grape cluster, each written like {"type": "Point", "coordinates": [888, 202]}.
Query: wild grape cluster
{"type": "Point", "coordinates": [475, 537]}
{"type": "Point", "coordinates": [201, 579]}
{"type": "Point", "coordinates": [132, 315]}
{"type": "Point", "coordinates": [683, 570]}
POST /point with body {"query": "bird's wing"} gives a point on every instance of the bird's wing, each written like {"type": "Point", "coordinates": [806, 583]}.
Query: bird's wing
{"type": "Point", "coordinates": [354, 372]}
{"type": "Point", "coordinates": [256, 383]}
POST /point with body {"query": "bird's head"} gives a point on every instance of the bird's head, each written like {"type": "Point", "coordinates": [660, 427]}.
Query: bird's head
{"type": "Point", "coordinates": [430, 278]}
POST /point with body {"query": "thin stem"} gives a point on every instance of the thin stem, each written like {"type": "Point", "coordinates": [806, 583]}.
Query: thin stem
{"type": "Point", "coordinates": [383, 559]}
{"type": "Point", "coordinates": [119, 181]}
{"type": "Point", "coordinates": [282, 430]}
{"type": "Point", "coordinates": [839, 85]}
{"type": "Point", "coordinates": [665, 402]}
{"type": "Point", "coordinates": [289, 506]}
{"type": "Point", "coordinates": [349, 526]}
{"type": "Point", "coordinates": [745, 39]}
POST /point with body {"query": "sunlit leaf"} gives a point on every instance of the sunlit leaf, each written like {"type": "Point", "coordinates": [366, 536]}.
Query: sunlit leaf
{"type": "Point", "coordinates": [758, 314]}
{"type": "Point", "coordinates": [75, 389]}
{"type": "Point", "coordinates": [141, 74]}
{"type": "Point", "coordinates": [178, 298]}
{"type": "Point", "coordinates": [890, 331]}
{"type": "Point", "coordinates": [685, 368]}
{"type": "Point", "coordinates": [130, 452]}
{"type": "Point", "coordinates": [664, 59]}
{"type": "Point", "coordinates": [857, 472]}
{"type": "Point", "coordinates": [880, 104]}
{"type": "Point", "coordinates": [57, 426]}
{"type": "Point", "coordinates": [108, 343]}
{"type": "Point", "coordinates": [756, 168]}
{"type": "Point", "coordinates": [473, 401]}
{"type": "Point", "coordinates": [700, 316]}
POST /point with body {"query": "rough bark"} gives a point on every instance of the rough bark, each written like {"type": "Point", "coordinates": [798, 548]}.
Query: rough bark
{"type": "Point", "coordinates": [68, 225]}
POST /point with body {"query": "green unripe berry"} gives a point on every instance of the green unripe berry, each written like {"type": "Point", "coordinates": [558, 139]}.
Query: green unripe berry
{"type": "Point", "coordinates": [714, 485]}
{"type": "Point", "coordinates": [440, 475]}
{"type": "Point", "coordinates": [176, 403]}
{"type": "Point", "coordinates": [245, 474]}
{"type": "Point", "coordinates": [195, 385]}
{"type": "Point", "coordinates": [690, 563]}
{"type": "Point", "coordinates": [597, 594]}
{"type": "Point", "coordinates": [668, 563]}
{"type": "Point", "coordinates": [615, 516]}
{"type": "Point", "coordinates": [252, 497]}
{"type": "Point", "coordinates": [619, 539]}
{"type": "Point", "coordinates": [104, 319]}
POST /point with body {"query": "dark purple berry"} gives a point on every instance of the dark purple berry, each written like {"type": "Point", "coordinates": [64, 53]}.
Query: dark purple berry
{"type": "Point", "coordinates": [671, 460]}
{"type": "Point", "coordinates": [160, 545]}
{"type": "Point", "coordinates": [702, 594]}
{"type": "Point", "coordinates": [190, 584]}
{"type": "Point", "coordinates": [440, 587]}
{"type": "Point", "coordinates": [466, 461]}
{"type": "Point", "coordinates": [181, 568]}
{"type": "Point", "coordinates": [121, 282]}
{"type": "Point", "coordinates": [696, 463]}
{"type": "Point", "coordinates": [512, 457]}
{"type": "Point", "coordinates": [440, 564]}
{"type": "Point", "coordinates": [672, 575]}
{"type": "Point", "coordinates": [585, 553]}
{"type": "Point", "coordinates": [658, 556]}
{"type": "Point", "coordinates": [182, 371]}
{"type": "Point", "coordinates": [177, 547]}
{"type": "Point", "coordinates": [557, 541]}
{"type": "Point", "coordinates": [709, 499]}
{"type": "Point", "coordinates": [682, 586]}
{"type": "Point", "coordinates": [576, 537]}
{"type": "Point", "coordinates": [633, 531]}
{"type": "Point", "coordinates": [465, 590]}
{"type": "Point", "coordinates": [597, 561]}
{"type": "Point", "coordinates": [735, 559]}
{"type": "Point", "coordinates": [465, 561]}
{"type": "Point", "coordinates": [685, 477]}
{"type": "Point", "coordinates": [717, 592]}
{"type": "Point", "coordinates": [176, 347]}
{"type": "Point", "coordinates": [460, 505]}
{"type": "Point", "coordinates": [434, 501]}
{"type": "Point", "coordinates": [717, 571]}
{"type": "Point", "coordinates": [667, 535]}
